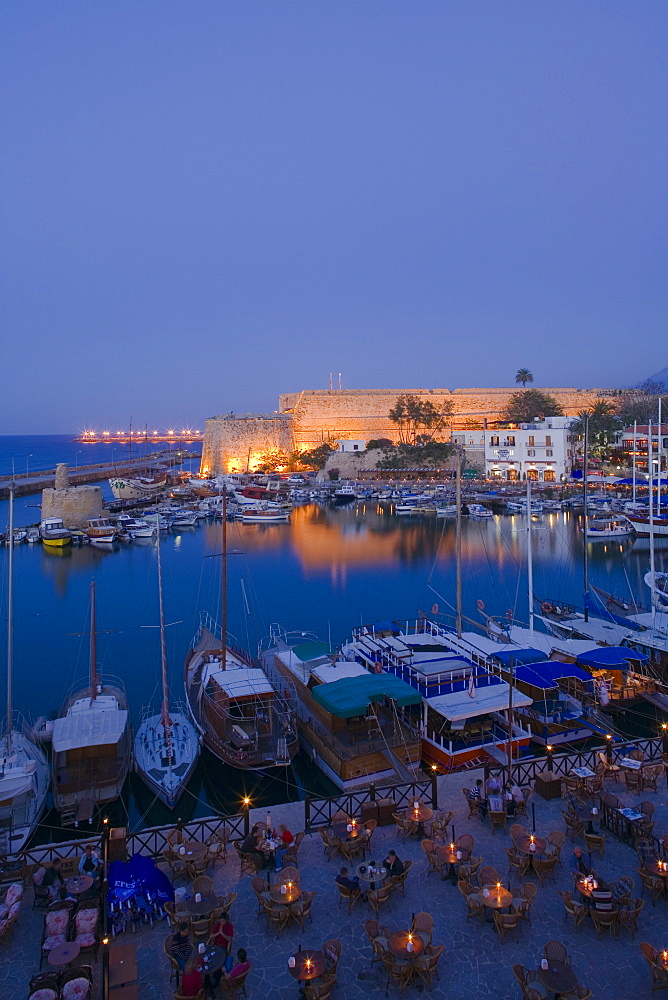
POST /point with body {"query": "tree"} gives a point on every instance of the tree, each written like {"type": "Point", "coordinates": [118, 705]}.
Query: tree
{"type": "Point", "coordinates": [273, 460]}
{"type": "Point", "coordinates": [376, 443]}
{"type": "Point", "coordinates": [419, 419]}
{"type": "Point", "coordinates": [433, 454]}
{"type": "Point", "coordinates": [641, 404]}
{"type": "Point", "coordinates": [603, 425]}
{"type": "Point", "coordinates": [523, 375]}
{"type": "Point", "coordinates": [529, 404]}
{"type": "Point", "coordinates": [315, 458]}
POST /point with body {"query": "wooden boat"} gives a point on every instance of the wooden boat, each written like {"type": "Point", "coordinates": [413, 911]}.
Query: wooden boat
{"type": "Point", "coordinates": [91, 743]}
{"type": "Point", "coordinates": [54, 533]}
{"type": "Point", "coordinates": [24, 772]}
{"type": "Point", "coordinates": [242, 718]}
{"type": "Point", "coordinates": [100, 529]}
{"type": "Point", "coordinates": [166, 745]}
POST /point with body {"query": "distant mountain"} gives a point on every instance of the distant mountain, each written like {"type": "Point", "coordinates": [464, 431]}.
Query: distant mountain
{"type": "Point", "coordinates": [661, 378]}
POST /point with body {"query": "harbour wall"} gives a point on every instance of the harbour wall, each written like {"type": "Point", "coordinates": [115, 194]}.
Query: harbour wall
{"type": "Point", "coordinates": [306, 419]}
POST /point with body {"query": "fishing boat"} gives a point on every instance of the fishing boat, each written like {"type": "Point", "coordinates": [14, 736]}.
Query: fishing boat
{"type": "Point", "coordinates": [265, 516]}
{"type": "Point", "coordinates": [139, 488]}
{"type": "Point", "coordinates": [166, 745]}
{"type": "Point", "coordinates": [345, 494]}
{"type": "Point", "coordinates": [54, 533]}
{"type": "Point", "coordinates": [24, 772]}
{"type": "Point", "coordinates": [605, 528]}
{"type": "Point", "coordinates": [359, 726]}
{"type": "Point", "coordinates": [100, 529]}
{"type": "Point", "coordinates": [91, 742]}
{"type": "Point", "coordinates": [243, 719]}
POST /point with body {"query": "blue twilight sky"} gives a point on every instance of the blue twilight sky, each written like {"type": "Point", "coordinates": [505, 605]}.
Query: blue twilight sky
{"type": "Point", "coordinates": [206, 203]}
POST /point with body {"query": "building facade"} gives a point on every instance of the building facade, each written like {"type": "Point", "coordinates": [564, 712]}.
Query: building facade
{"type": "Point", "coordinates": [543, 451]}
{"type": "Point", "coordinates": [636, 442]}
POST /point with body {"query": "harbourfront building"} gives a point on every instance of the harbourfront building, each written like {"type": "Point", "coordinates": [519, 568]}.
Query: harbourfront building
{"type": "Point", "coordinates": [543, 451]}
{"type": "Point", "coordinates": [635, 441]}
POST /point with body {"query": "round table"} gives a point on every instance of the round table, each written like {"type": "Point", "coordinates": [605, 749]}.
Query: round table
{"type": "Point", "coordinates": [652, 865]}
{"type": "Point", "coordinates": [213, 958]}
{"type": "Point", "coordinates": [585, 889]}
{"type": "Point", "coordinates": [193, 851]}
{"type": "Point", "coordinates": [207, 903]}
{"type": "Point", "coordinates": [446, 854]}
{"type": "Point", "coordinates": [290, 895]}
{"type": "Point", "coordinates": [523, 844]}
{"type": "Point", "coordinates": [78, 884]}
{"type": "Point", "coordinates": [397, 944]}
{"type": "Point", "coordinates": [496, 898]}
{"type": "Point", "coordinates": [375, 878]}
{"type": "Point", "coordinates": [64, 953]}
{"type": "Point", "coordinates": [421, 815]}
{"type": "Point", "coordinates": [584, 813]}
{"type": "Point", "coordinates": [558, 977]}
{"type": "Point", "coordinates": [341, 830]}
{"type": "Point", "coordinates": [304, 973]}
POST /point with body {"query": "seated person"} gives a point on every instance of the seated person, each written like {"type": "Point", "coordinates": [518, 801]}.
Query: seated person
{"type": "Point", "coordinates": [493, 786]}
{"type": "Point", "coordinates": [250, 845]}
{"type": "Point", "coordinates": [181, 946]}
{"type": "Point", "coordinates": [495, 803]}
{"type": "Point", "coordinates": [191, 980]}
{"type": "Point", "coordinates": [512, 795]}
{"type": "Point", "coordinates": [237, 968]}
{"type": "Point", "coordinates": [223, 932]}
{"type": "Point", "coordinates": [90, 864]}
{"type": "Point", "coordinates": [580, 862]}
{"type": "Point", "coordinates": [53, 879]}
{"type": "Point", "coordinates": [286, 840]}
{"type": "Point", "coordinates": [394, 865]}
{"type": "Point", "coordinates": [477, 795]}
{"type": "Point", "coordinates": [344, 879]}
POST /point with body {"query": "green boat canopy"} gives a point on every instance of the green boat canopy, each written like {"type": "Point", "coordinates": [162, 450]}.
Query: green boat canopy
{"type": "Point", "coordinates": [351, 696]}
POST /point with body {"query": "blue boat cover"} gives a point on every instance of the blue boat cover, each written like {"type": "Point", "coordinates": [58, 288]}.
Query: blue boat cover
{"type": "Point", "coordinates": [612, 657]}
{"type": "Point", "coordinates": [519, 656]}
{"type": "Point", "coordinates": [548, 673]}
{"type": "Point", "coordinates": [139, 875]}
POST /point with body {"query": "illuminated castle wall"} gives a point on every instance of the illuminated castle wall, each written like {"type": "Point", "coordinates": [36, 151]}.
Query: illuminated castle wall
{"type": "Point", "coordinates": [307, 418]}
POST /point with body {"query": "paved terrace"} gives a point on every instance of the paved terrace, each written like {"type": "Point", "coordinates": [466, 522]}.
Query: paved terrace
{"type": "Point", "coordinates": [475, 963]}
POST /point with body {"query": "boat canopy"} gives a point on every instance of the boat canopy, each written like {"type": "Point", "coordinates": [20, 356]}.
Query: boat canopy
{"type": "Point", "coordinates": [459, 705]}
{"type": "Point", "coordinates": [519, 656]}
{"type": "Point", "coordinates": [237, 682]}
{"type": "Point", "coordinates": [88, 729]}
{"type": "Point", "coordinates": [548, 673]}
{"type": "Point", "coordinates": [610, 658]}
{"type": "Point", "coordinates": [351, 696]}
{"type": "Point", "coordinates": [16, 782]}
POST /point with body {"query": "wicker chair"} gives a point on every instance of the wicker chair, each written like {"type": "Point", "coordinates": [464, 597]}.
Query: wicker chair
{"type": "Point", "coordinates": [216, 846]}
{"type": "Point", "coordinates": [202, 884]}
{"type": "Point", "coordinates": [628, 917]}
{"type": "Point", "coordinates": [517, 830]}
{"type": "Point", "coordinates": [231, 987]}
{"type": "Point", "coordinates": [497, 820]}
{"type": "Point", "coordinates": [377, 935]}
{"type": "Point", "coordinates": [302, 909]}
{"type": "Point", "coordinates": [465, 842]}
{"type": "Point", "coordinates": [277, 915]}
{"type": "Point", "coordinates": [426, 965]}
{"type": "Point", "coordinates": [175, 969]}
{"type": "Point", "coordinates": [473, 804]}
{"type": "Point", "coordinates": [578, 911]}
{"type": "Point", "coordinates": [405, 827]}
{"type": "Point", "coordinates": [520, 862]}
{"type": "Point", "coordinates": [398, 882]}
{"type": "Point", "coordinates": [595, 842]}
{"type": "Point", "coordinates": [377, 897]}
{"type": "Point", "coordinates": [488, 875]}
{"type": "Point", "coordinates": [659, 974]}
{"type": "Point", "coordinates": [574, 825]}
{"type": "Point", "coordinates": [652, 883]}
{"type": "Point", "coordinates": [521, 807]}
{"type": "Point", "coordinates": [505, 923]}
{"type": "Point", "coordinates": [605, 920]}
{"type": "Point", "coordinates": [524, 977]}
{"type": "Point", "coordinates": [545, 866]}
{"type": "Point", "coordinates": [400, 972]}
{"type": "Point", "coordinates": [259, 887]}
{"type": "Point", "coordinates": [633, 781]}
{"type": "Point", "coordinates": [423, 924]}
{"type": "Point", "coordinates": [330, 842]}
{"type": "Point", "coordinates": [650, 776]}
{"type": "Point", "coordinates": [622, 890]}
{"type": "Point", "coordinates": [554, 951]}
{"type": "Point", "coordinates": [351, 896]}
{"type": "Point", "coordinates": [474, 907]}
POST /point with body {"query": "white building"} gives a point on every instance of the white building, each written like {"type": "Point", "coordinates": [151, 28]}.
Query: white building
{"type": "Point", "coordinates": [348, 446]}
{"type": "Point", "coordinates": [544, 451]}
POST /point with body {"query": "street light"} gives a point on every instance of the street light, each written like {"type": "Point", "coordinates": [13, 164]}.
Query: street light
{"type": "Point", "coordinates": [27, 458]}
{"type": "Point", "coordinates": [76, 461]}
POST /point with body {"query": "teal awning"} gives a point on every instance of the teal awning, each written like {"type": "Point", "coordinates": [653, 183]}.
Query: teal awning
{"type": "Point", "coordinates": [351, 696]}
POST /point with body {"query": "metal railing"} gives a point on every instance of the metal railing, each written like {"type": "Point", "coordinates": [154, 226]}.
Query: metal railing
{"type": "Point", "coordinates": [526, 768]}
{"type": "Point", "coordinates": [318, 812]}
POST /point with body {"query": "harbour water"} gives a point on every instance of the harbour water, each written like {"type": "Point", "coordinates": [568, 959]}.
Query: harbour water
{"type": "Point", "coordinates": [328, 570]}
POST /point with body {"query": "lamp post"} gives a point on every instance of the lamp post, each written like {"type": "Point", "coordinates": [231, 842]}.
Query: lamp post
{"type": "Point", "coordinates": [246, 804]}
{"type": "Point", "coordinates": [549, 752]}
{"type": "Point", "coordinates": [27, 459]}
{"type": "Point", "coordinates": [76, 461]}
{"type": "Point", "coordinates": [608, 748]}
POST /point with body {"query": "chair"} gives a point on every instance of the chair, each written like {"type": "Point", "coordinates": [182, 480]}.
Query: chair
{"type": "Point", "coordinates": [545, 866]}
{"type": "Point", "coordinates": [379, 896]}
{"type": "Point", "coordinates": [277, 915]}
{"type": "Point", "coordinates": [505, 923]}
{"type": "Point", "coordinates": [611, 801]}
{"type": "Point", "coordinates": [400, 972]}
{"type": "Point", "coordinates": [517, 830]}
{"type": "Point", "coordinates": [473, 804]}
{"type": "Point", "coordinates": [474, 906]}
{"type": "Point", "coordinates": [216, 846]}
{"type": "Point", "coordinates": [175, 970]}
{"type": "Point", "coordinates": [465, 842]}
{"type": "Point", "coordinates": [578, 911]}
{"type": "Point", "coordinates": [650, 777]}
{"type": "Point", "coordinates": [377, 935]}
{"type": "Point", "coordinates": [80, 972]}
{"type": "Point", "coordinates": [330, 842]}
{"type": "Point", "coordinates": [231, 987]}
{"type": "Point", "coordinates": [659, 974]}
{"type": "Point", "coordinates": [177, 865]}
{"type": "Point", "coordinates": [605, 920]}
{"type": "Point", "coordinates": [518, 861]}
{"type": "Point", "coordinates": [488, 876]}
{"type": "Point", "coordinates": [301, 909]}
{"type": "Point", "coordinates": [318, 991]}
{"type": "Point", "coordinates": [554, 951]}
{"type": "Point", "coordinates": [423, 924]}
{"type": "Point", "coordinates": [609, 770]}
{"type": "Point", "coordinates": [595, 842]}
{"type": "Point", "coordinates": [473, 865]}
{"type": "Point", "coordinates": [248, 866]}
{"type": "Point", "coordinates": [86, 927]}
{"type": "Point", "coordinates": [436, 864]}
{"type": "Point", "coordinates": [651, 882]}
{"type": "Point", "coordinates": [405, 827]}
{"type": "Point", "coordinates": [574, 825]}
{"type": "Point", "coordinates": [174, 837]}
{"type": "Point", "coordinates": [622, 890]}
{"type": "Point", "coordinates": [225, 901]}
{"type": "Point", "coordinates": [628, 917]}
{"type": "Point", "coordinates": [351, 895]}
{"type": "Point", "coordinates": [580, 993]}
{"type": "Point", "coordinates": [525, 976]}
{"type": "Point", "coordinates": [426, 966]}
{"type": "Point", "coordinates": [556, 838]}
{"type": "Point", "coordinates": [497, 820]}
{"type": "Point", "coordinates": [199, 930]}
{"type": "Point", "coordinates": [259, 887]}
{"type": "Point", "coordinates": [633, 781]}
{"type": "Point", "coordinates": [290, 875]}
{"type": "Point", "coordinates": [203, 884]}
{"type": "Point", "coordinates": [398, 882]}
{"type": "Point", "coordinates": [42, 897]}
{"type": "Point", "coordinates": [340, 817]}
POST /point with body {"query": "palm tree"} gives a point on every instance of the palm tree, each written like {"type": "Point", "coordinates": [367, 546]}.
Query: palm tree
{"type": "Point", "coordinates": [523, 375]}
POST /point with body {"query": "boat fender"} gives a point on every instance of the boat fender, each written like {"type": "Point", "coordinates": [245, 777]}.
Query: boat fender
{"type": "Point", "coordinates": [509, 614]}
{"type": "Point", "coordinates": [480, 605]}
{"type": "Point", "coordinates": [546, 607]}
{"type": "Point", "coordinates": [377, 668]}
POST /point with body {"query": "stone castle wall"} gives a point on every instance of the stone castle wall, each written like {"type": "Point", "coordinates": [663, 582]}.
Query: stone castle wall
{"type": "Point", "coordinates": [74, 504]}
{"type": "Point", "coordinates": [234, 443]}
{"type": "Point", "coordinates": [306, 419]}
{"type": "Point", "coordinates": [326, 415]}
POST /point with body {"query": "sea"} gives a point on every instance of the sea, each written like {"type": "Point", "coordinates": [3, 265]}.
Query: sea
{"type": "Point", "coordinates": [327, 571]}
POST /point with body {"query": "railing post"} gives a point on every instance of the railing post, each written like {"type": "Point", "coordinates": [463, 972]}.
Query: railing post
{"type": "Point", "coordinates": [434, 790]}
{"type": "Point", "coordinates": [372, 792]}
{"type": "Point", "coordinates": [307, 815]}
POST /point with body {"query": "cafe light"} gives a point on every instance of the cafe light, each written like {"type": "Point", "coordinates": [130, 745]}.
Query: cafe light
{"type": "Point", "coordinates": [105, 940]}
{"type": "Point", "coordinates": [105, 820]}
{"type": "Point", "coordinates": [246, 801]}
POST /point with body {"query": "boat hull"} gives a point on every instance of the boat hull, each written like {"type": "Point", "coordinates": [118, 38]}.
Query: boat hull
{"type": "Point", "coordinates": [57, 543]}
{"type": "Point", "coordinates": [168, 783]}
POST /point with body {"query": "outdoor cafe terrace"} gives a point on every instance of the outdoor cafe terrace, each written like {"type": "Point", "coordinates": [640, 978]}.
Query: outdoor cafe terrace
{"type": "Point", "coordinates": [478, 951]}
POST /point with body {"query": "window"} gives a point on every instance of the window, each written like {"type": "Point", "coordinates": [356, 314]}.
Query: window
{"type": "Point", "coordinates": [548, 441]}
{"type": "Point", "coordinates": [548, 451]}
{"type": "Point", "coordinates": [494, 441]}
{"type": "Point", "coordinates": [511, 440]}
{"type": "Point", "coordinates": [531, 441]}
{"type": "Point", "coordinates": [355, 447]}
{"type": "Point", "coordinates": [531, 452]}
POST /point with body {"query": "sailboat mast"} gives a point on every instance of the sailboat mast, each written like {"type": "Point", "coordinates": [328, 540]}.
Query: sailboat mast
{"type": "Point", "coordinates": [458, 543]}
{"type": "Point", "coordinates": [93, 644]}
{"type": "Point", "coordinates": [529, 555]}
{"type": "Point", "coordinates": [635, 445]}
{"type": "Point", "coordinates": [10, 616]}
{"type": "Point", "coordinates": [163, 663]}
{"type": "Point", "coordinates": [658, 464]}
{"type": "Point", "coordinates": [223, 587]}
{"type": "Point", "coordinates": [652, 566]}
{"type": "Point", "coordinates": [585, 560]}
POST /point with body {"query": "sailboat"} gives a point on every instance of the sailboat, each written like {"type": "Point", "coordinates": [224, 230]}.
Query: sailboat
{"type": "Point", "coordinates": [243, 719]}
{"type": "Point", "coordinates": [24, 772]}
{"type": "Point", "coordinates": [91, 742]}
{"type": "Point", "coordinates": [166, 745]}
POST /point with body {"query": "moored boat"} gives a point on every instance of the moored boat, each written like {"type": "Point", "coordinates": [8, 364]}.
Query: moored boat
{"type": "Point", "coordinates": [54, 533]}
{"type": "Point", "coordinates": [100, 529]}
{"type": "Point", "coordinates": [138, 488]}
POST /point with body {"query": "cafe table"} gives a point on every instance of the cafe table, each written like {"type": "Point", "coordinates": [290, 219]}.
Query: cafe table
{"type": "Point", "coordinates": [78, 884]}
{"type": "Point", "coordinates": [192, 851]}
{"type": "Point", "coordinates": [421, 815]}
{"type": "Point", "coordinates": [213, 958]}
{"type": "Point", "coordinates": [558, 978]}
{"type": "Point", "coordinates": [586, 889]}
{"type": "Point", "coordinates": [398, 944]}
{"type": "Point", "coordinates": [375, 877]}
{"type": "Point", "coordinates": [652, 866]}
{"type": "Point", "coordinates": [309, 964]}
{"type": "Point", "coordinates": [586, 813]}
{"type": "Point", "coordinates": [64, 953]}
{"type": "Point", "coordinates": [452, 855]}
{"type": "Point", "coordinates": [497, 898]}
{"type": "Point", "coordinates": [341, 830]}
{"type": "Point", "coordinates": [208, 902]}
{"type": "Point", "coordinates": [291, 895]}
